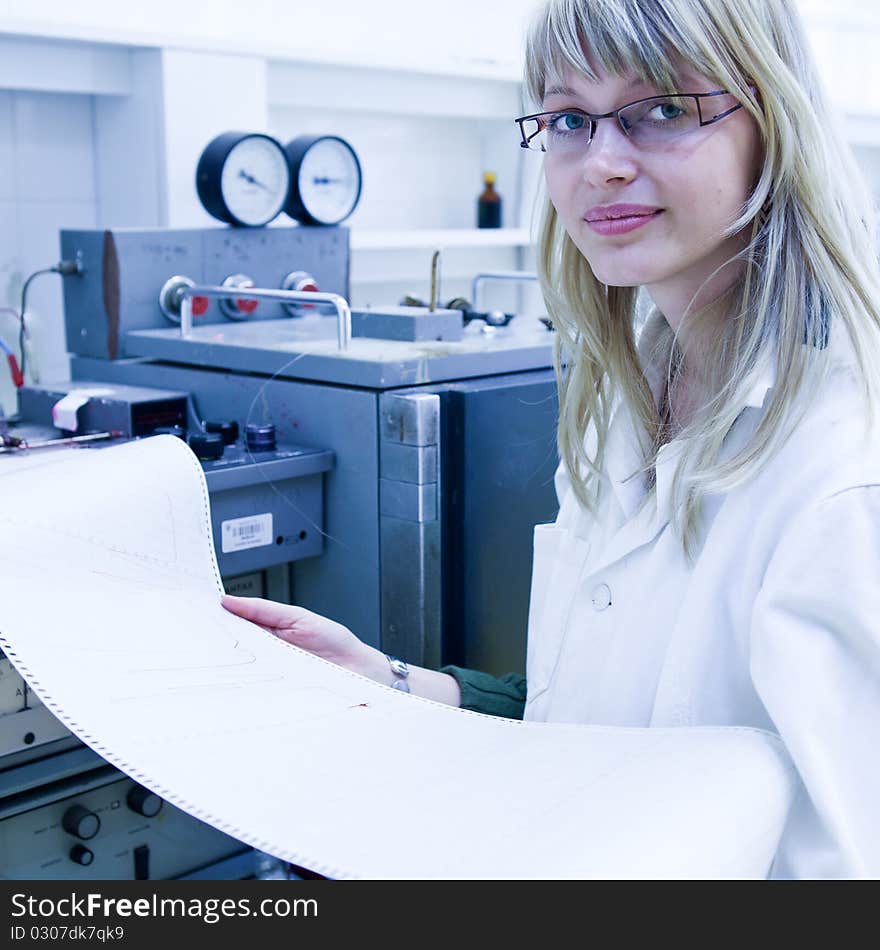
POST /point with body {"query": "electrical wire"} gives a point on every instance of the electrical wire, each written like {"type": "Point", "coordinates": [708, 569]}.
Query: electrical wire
{"type": "Point", "coordinates": [65, 268]}
{"type": "Point", "coordinates": [23, 311]}
{"type": "Point", "coordinates": [17, 376]}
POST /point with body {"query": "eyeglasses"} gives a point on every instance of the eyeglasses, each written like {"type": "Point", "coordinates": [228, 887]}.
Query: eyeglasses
{"type": "Point", "coordinates": [650, 123]}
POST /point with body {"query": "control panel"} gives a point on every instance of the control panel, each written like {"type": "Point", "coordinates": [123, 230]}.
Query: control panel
{"type": "Point", "coordinates": [110, 828]}
{"type": "Point", "coordinates": [266, 496]}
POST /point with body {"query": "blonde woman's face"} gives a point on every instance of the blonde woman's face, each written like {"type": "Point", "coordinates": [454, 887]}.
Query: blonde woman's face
{"type": "Point", "coordinates": [687, 190]}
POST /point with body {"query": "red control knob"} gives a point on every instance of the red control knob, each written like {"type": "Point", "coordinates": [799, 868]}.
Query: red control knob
{"type": "Point", "coordinates": [238, 308]}
{"type": "Point", "coordinates": [302, 282]}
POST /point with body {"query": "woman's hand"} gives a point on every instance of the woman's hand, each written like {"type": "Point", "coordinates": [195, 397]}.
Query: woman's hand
{"type": "Point", "coordinates": [325, 638]}
{"type": "Point", "coordinates": [331, 641]}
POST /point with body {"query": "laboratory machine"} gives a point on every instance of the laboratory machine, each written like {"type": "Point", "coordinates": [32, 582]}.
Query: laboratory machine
{"type": "Point", "coordinates": [420, 446]}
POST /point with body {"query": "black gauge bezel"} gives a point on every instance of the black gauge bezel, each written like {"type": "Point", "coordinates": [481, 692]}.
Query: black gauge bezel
{"type": "Point", "coordinates": [296, 150]}
{"type": "Point", "coordinates": [209, 176]}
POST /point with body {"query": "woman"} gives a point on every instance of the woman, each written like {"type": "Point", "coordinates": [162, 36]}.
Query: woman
{"type": "Point", "coordinates": [716, 558]}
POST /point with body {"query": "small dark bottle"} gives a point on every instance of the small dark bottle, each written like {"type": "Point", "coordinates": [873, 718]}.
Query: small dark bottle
{"type": "Point", "coordinates": [489, 204]}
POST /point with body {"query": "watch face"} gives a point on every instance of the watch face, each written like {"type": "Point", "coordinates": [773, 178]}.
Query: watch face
{"type": "Point", "coordinates": [255, 180]}
{"type": "Point", "coordinates": [398, 667]}
{"type": "Point", "coordinates": [329, 181]}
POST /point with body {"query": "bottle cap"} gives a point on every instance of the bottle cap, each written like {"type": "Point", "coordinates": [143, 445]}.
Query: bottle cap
{"type": "Point", "coordinates": [490, 178]}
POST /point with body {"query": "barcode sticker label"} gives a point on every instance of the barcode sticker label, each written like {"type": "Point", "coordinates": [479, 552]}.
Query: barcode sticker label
{"type": "Point", "coordinates": [239, 534]}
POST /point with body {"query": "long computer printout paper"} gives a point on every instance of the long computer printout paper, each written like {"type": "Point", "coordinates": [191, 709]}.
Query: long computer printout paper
{"type": "Point", "coordinates": [110, 608]}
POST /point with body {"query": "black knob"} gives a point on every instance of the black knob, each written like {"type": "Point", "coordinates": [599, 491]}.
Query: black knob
{"type": "Point", "coordinates": [260, 438]}
{"type": "Point", "coordinates": [80, 854]}
{"type": "Point", "coordinates": [229, 430]}
{"type": "Point", "coordinates": [143, 801]}
{"type": "Point", "coordinates": [80, 822]}
{"type": "Point", "coordinates": [207, 445]}
{"type": "Point", "coordinates": [497, 318]}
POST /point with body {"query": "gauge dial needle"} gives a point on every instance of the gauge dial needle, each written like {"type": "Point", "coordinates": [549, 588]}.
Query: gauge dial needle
{"type": "Point", "coordinates": [251, 180]}
{"type": "Point", "coordinates": [328, 181]}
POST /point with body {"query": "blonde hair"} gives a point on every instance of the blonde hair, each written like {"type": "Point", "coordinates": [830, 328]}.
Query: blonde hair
{"type": "Point", "coordinates": [810, 261]}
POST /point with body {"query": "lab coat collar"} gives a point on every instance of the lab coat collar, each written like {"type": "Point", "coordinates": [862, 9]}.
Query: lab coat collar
{"type": "Point", "coordinates": [655, 364]}
{"type": "Point", "coordinates": [764, 382]}
{"type": "Point", "coordinates": [623, 459]}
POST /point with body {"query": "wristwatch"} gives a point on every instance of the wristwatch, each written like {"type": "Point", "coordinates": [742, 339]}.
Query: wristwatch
{"type": "Point", "coordinates": [400, 671]}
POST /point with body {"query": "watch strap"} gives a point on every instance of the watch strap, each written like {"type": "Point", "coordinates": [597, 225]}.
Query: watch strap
{"type": "Point", "coordinates": [400, 671]}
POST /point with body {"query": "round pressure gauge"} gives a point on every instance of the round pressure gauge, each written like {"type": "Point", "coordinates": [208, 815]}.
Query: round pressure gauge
{"type": "Point", "coordinates": [325, 179]}
{"type": "Point", "coordinates": [243, 178]}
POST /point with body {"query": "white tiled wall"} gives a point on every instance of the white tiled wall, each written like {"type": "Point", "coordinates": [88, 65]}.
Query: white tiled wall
{"type": "Point", "coordinates": [47, 182]}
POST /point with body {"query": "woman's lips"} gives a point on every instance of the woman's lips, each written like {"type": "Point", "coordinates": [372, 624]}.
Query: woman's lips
{"type": "Point", "coordinates": [609, 226]}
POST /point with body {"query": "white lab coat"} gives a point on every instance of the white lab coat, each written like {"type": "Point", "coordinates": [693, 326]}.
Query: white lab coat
{"type": "Point", "coordinates": [775, 625]}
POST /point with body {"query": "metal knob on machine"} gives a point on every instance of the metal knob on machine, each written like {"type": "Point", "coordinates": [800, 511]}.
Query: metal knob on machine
{"type": "Point", "coordinates": [302, 282]}
{"type": "Point", "coordinates": [207, 445]}
{"type": "Point", "coordinates": [260, 438]}
{"type": "Point", "coordinates": [238, 308]}
{"type": "Point", "coordinates": [80, 822]}
{"type": "Point", "coordinates": [171, 297]}
{"type": "Point", "coordinates": [80, 854]}
{"type": "Point", "coordinates": [225, 428]}
{"type": "Point", "coordinates": [143, 801]}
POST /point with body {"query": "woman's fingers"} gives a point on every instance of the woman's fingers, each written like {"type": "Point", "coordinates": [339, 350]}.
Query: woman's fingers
{"type": "Point", "coordinates": [266, 613]}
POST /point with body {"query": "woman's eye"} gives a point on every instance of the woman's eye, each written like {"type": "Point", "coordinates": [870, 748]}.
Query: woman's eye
{"type": "Point", "coordinates": [667, 111]}
{"type": "Point", "coordinates": [566, 122]}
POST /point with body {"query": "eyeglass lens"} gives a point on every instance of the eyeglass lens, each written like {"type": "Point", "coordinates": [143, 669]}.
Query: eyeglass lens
{"type": "Point", "coordinates": [648, 123]}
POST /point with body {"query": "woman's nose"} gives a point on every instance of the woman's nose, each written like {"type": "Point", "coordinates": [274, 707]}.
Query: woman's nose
{"type": "Point", "coordinates": [610, 155]}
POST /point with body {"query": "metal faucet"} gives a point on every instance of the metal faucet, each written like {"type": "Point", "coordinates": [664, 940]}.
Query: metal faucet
{"type": "Point", "coordinates": [178, 293]}
{"type": "Point", "coordinates": [513, 275]}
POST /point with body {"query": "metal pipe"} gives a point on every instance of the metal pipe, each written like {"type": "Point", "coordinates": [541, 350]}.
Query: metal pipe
{"type": "Point", "coordinates": [22, 445]}
{"type": "Point", "coordinates": [516, 275]}
{"type": "Point", "coordinates": [343, 311]}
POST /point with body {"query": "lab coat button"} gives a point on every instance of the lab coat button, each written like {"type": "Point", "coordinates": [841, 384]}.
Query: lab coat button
{"type": "Point", "coordinates": [601, 597]}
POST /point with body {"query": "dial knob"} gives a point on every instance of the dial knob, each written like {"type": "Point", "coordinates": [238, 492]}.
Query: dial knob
{"type": "Point", "coordinates": [227, 429]}
{"type": "Point", "coordinates": [303, 282]}
{"type": "Point", "coordinates": [171, 298]}
{"type": "Point", "coordinates": [260, 438]}
{"type": "Point", "coordinates": [207, 445]}
{"type": "Point", "coordinates": [143, 801]}
{"type": "Point", "coordinates": [238, 308]}
{"type": "Point", "coordinates": [80, 822]}
{"type": "Point", "coordinates": [80, 854]}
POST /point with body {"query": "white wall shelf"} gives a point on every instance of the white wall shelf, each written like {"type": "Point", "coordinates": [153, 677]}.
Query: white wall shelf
{"type": "Point", "coordinates": [464, 39]}
{"type": "Point", "coordinates": [383, 90]}
{"type": "Point", "coordinates": [441, 238]}
{"type": "Point", "coordinates": [47, 65]}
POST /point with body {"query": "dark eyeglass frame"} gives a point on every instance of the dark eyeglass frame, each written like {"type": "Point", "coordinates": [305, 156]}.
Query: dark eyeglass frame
{"type": "Point", "coordinates": [615, 113]}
